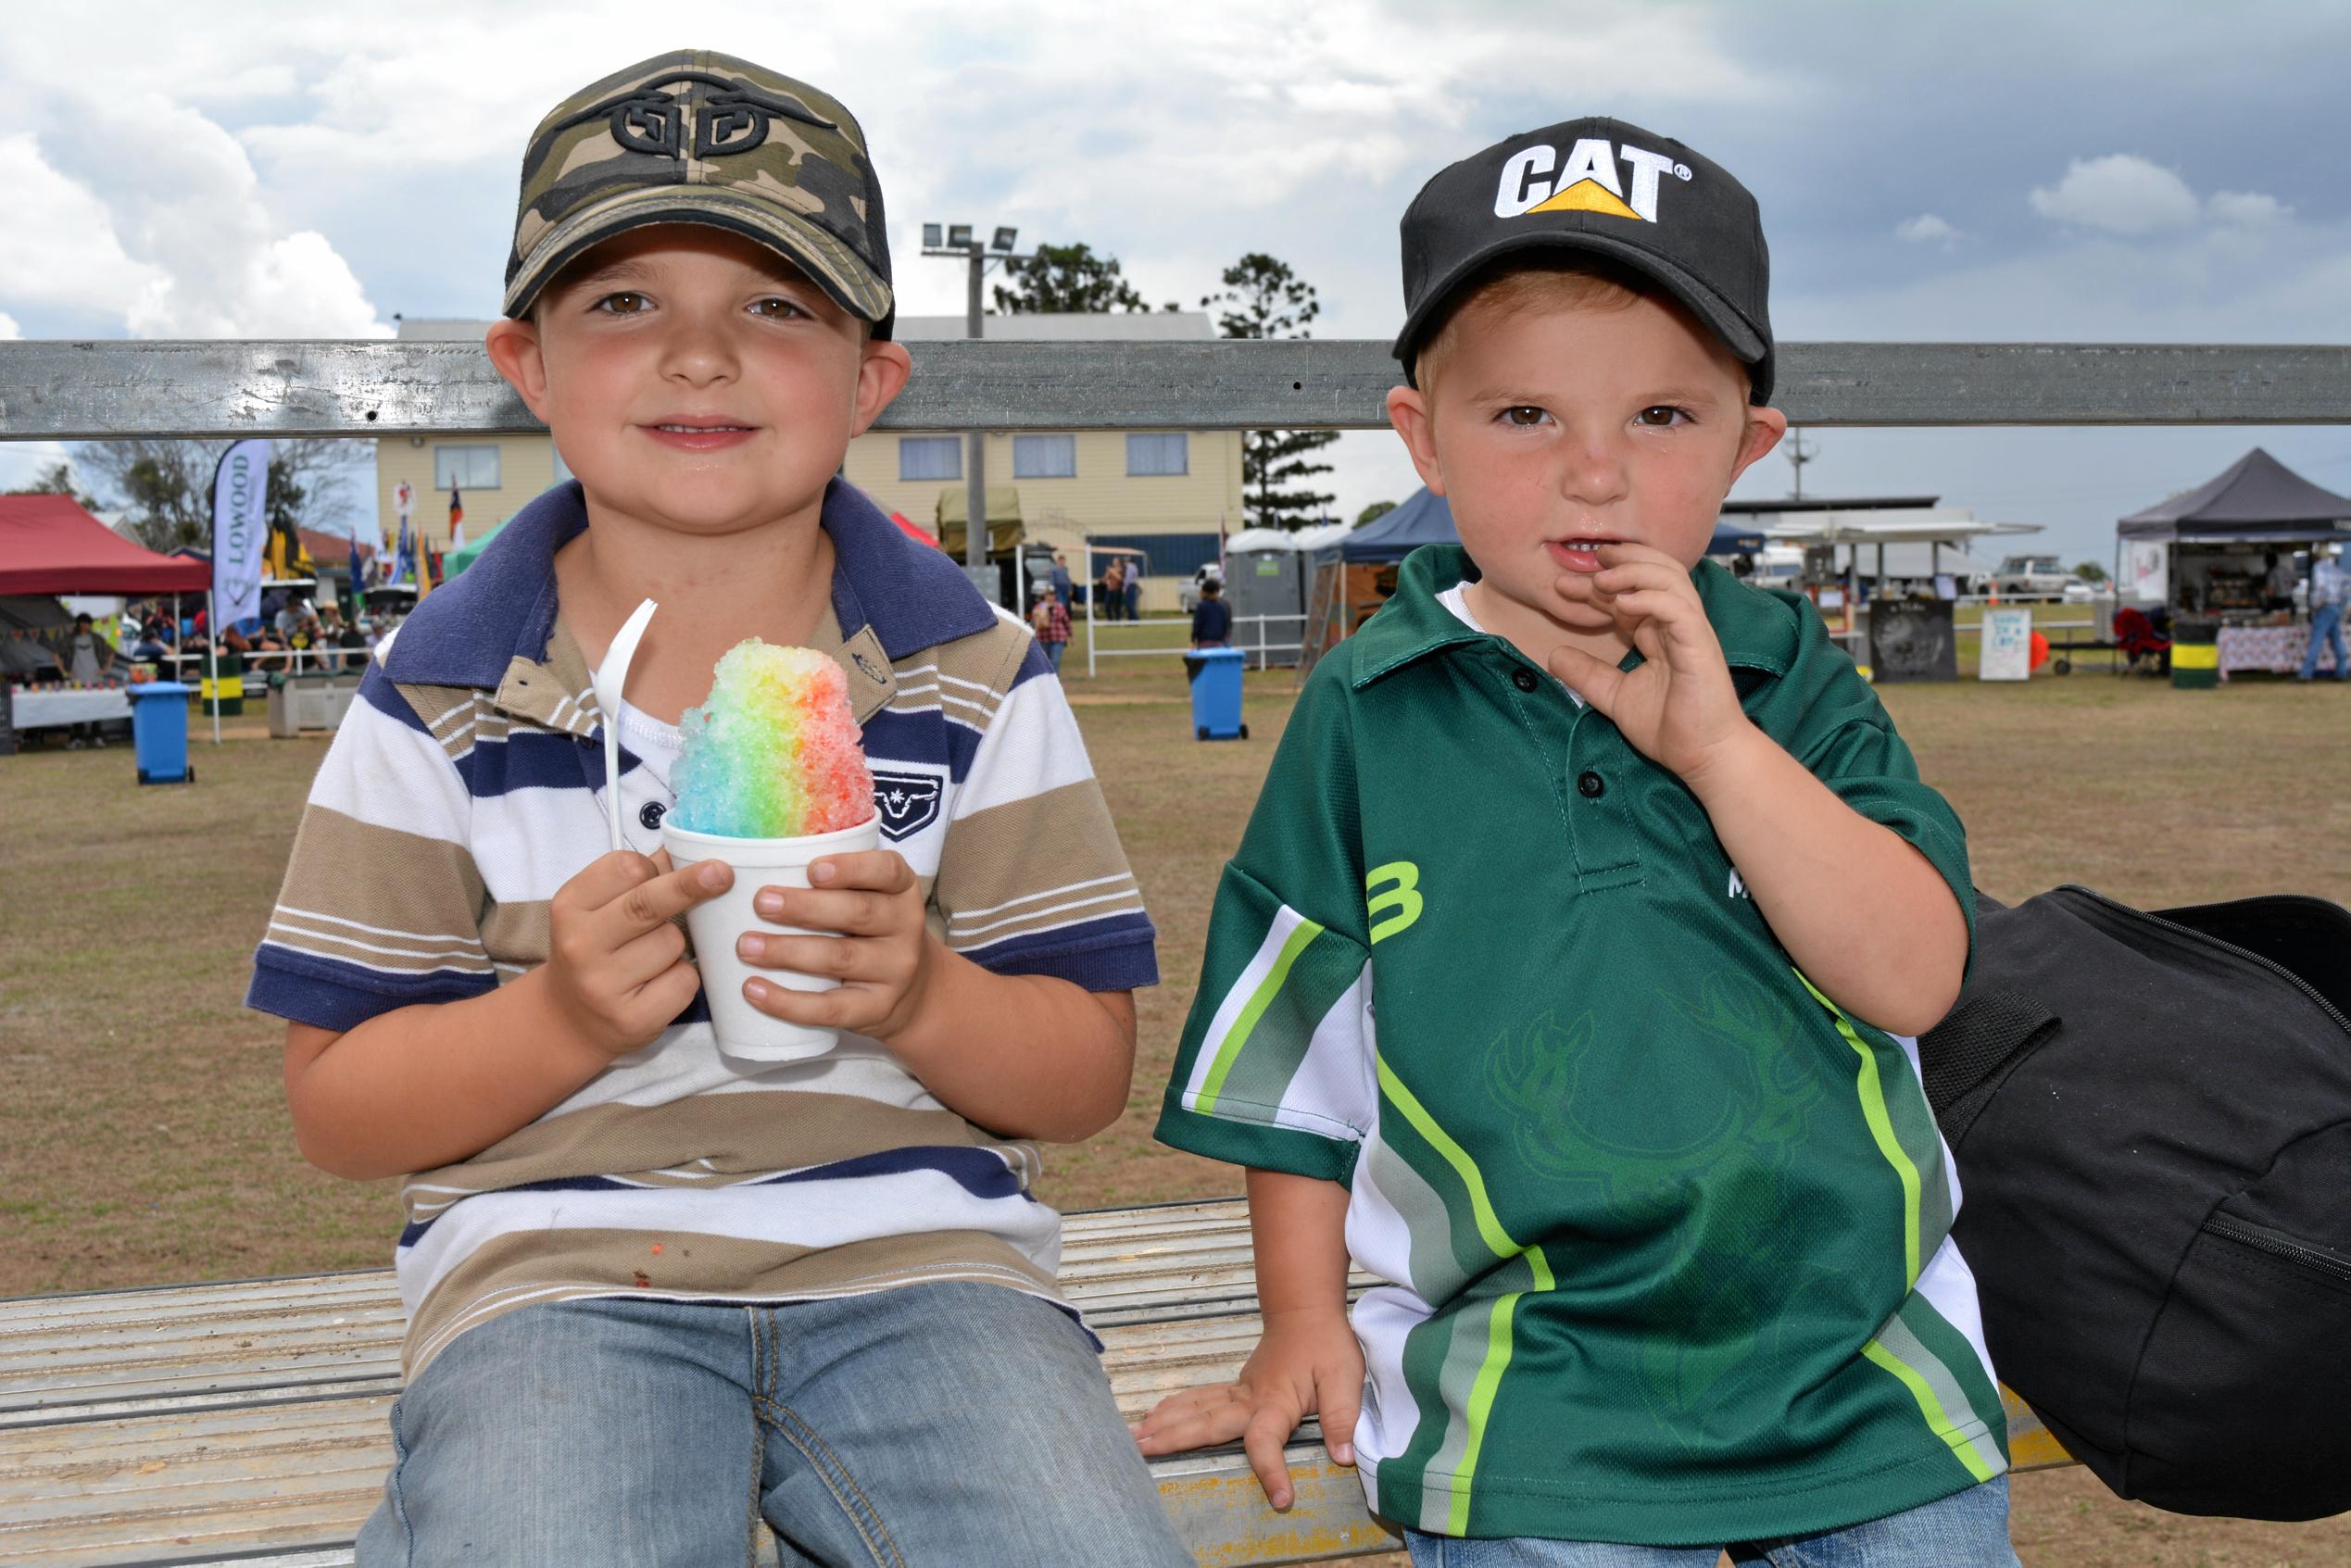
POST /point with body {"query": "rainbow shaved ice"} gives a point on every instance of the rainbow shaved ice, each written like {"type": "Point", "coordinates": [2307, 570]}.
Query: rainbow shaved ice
{"type": "Point", "coordinates": [772, 752]}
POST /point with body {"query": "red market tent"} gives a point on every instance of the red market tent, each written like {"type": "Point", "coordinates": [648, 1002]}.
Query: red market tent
{"type": "Point", "coordinates": [48, 544]}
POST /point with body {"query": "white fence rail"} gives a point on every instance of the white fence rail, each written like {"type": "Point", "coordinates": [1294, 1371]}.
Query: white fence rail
{"type": "Point", "coordinates": [1252, 635]}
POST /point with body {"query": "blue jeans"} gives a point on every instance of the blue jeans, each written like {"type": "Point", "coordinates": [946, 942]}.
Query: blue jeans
{"type": "Point", "coordinates": [1968, 1529]}
{"type": "Point", "coordinates": [947, 1424]}
{"type": "Point", "coordinates": [2326, 626]}
{"type": "Point", "coordinates": [1054, 655]}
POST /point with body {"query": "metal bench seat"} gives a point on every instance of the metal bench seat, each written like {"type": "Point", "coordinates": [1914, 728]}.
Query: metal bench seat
{"type": "Point", "coordinates": [247, 1422]}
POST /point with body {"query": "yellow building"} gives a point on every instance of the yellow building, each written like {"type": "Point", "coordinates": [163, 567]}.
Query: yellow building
{"type": "Point", "coordinates": [496, 475]}
{"type": "Point", "coordinates": [1166, 493]}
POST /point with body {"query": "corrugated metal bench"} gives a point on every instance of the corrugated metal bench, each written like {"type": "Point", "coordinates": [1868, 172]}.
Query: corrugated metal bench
{"type": "Point", "coordinates": [246, 1421]}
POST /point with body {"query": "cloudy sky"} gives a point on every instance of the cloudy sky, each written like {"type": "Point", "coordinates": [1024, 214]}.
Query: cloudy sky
{"type": "Point", "coordinates": [2152, 171]}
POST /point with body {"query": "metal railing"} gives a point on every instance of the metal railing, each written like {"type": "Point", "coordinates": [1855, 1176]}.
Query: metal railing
{"type": "Point", "coordinates": [1260, 643]}
{"type": "Point", "coordinates": [63, 390]}
{"type": "Point", "coordinates": [56, 390]}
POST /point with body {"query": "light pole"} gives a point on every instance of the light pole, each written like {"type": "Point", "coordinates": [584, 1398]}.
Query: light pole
{"type": "Point", "coordinates": [958, 240]}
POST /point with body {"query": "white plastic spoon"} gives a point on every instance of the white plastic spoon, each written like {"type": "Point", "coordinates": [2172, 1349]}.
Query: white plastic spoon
{"type": "Point", "coordinates": [610, 677]}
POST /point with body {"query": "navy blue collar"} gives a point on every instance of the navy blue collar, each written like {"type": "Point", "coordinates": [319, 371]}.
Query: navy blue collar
{"type": "Point", "coordinates": [469, 631]}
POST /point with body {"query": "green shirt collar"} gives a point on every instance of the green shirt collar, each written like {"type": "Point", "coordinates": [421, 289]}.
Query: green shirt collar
{"type": "Point", "coordinates": [1757, 628]}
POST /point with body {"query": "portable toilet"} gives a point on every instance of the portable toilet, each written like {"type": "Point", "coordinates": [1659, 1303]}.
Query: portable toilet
{"type": "Point", "coordinates": [1265, 575]}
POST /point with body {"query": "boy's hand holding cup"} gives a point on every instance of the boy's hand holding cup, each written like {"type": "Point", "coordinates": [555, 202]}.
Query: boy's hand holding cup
{"type": "Point", "coordinates": [616, 966]}
{"type": "Point", "coordinates": [877, 952]}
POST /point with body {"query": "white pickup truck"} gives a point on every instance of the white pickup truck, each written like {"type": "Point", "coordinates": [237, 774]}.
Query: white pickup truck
{"type": "Point", "coordinates": [2032, 577]}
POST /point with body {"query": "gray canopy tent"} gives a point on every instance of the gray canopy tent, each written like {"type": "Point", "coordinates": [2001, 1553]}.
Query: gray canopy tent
{"type": "Point", "coordinates": [2256, 502]}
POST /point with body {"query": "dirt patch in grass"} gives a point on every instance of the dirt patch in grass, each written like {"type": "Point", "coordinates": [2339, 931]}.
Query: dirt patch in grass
{"type": "Point", "coordinates": [147, 1141]}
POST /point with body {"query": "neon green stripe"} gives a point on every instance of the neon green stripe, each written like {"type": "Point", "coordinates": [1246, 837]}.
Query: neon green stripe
{"type": "Point", "coordinates": [1938, 1419]}
{"type": "Point", "coordinates": [1873, 1111]}
{"type": "Point", "coordinates": [1490, 1371]}
{"type": "Point", "coordinates": [1488, 1383]}
{"type": "Point", "coordinates": [1267, 989]}
{"type": "Point", "coordinates": [1489, 1227]}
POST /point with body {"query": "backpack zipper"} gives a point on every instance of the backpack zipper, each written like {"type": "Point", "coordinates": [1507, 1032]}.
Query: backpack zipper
{"type": "Point", "coordinates": [2245, 953]}
{"type": "Point", "coordinates": [2279, 1245]}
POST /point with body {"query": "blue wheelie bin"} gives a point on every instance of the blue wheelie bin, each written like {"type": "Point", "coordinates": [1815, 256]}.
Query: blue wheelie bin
{"type": "Point", "coordinates": [159, 731]}
{"type": "Point", "coordinates": [1216, 675]}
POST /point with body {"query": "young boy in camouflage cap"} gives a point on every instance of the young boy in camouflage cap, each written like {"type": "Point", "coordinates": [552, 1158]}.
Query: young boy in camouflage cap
{"type": "Point", "coordinates": [1562, 978]}
{"type": "Point", "coordinates": [662, 1301]}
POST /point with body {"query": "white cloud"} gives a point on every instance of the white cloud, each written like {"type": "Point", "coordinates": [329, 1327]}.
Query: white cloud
{"type": "Point", "coordinates": [1926, 229]}
{"type": "Point", "coordinates": [8, 328]}
{"type": "Point", "coordinates": [2248, 209]}
{"type": "Point", "coordinates": [2120, 194]}
{"type": "Point", "coordinates": [151, 213]}
{"type": "Point", "coordinates": [59, 247]}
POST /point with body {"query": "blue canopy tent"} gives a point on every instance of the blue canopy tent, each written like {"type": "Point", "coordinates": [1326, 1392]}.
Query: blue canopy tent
{"type": "Point", "coordinates": [1424, 518]}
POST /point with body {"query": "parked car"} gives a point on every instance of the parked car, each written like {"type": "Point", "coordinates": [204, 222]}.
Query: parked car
{"type": "Point", "coordinates": [1188, 593]}
{"type": "Point", "coordinates": [2032, 577]}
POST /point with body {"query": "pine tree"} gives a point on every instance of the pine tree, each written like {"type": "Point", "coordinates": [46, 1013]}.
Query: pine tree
{"type": "Point", "coordinates": [1263, 298]}
{"type": "Point", "coordinates": [1067, 278]}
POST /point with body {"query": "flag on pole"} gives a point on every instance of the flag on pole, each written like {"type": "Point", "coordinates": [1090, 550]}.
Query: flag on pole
{"type": "Point", "coordinates": [456, 517]}
{"type": "Point", "coordinates": [240, 530]}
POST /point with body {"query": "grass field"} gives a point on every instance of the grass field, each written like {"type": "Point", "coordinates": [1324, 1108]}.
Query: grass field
{"type": "Point", "coordinates": [147, 1140]}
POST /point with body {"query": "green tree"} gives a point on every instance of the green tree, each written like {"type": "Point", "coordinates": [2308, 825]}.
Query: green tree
{"type": "Point", "coordinates": [1067, 278]}
{"type": "Point", "coordinates": [1374, 512]}
{"type": "Point", "coordinates": [166, 486]}
{"type": "Point", "coordinates": [2091, 571]}
{"type": "Point", "coordinates": [56, 480]}
{"type": "Point", "coordinates": [1263, 298]}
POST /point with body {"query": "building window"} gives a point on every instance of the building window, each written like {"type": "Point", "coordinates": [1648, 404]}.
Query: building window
{"type": "Point", "coordinates": [1160, 453]}
{"type": "Point", "coordinates": [465, 468]}
{"type": "Point", "coordinates": [930, 456]}
{"type": "Point", "coordinates": [1044, 457]}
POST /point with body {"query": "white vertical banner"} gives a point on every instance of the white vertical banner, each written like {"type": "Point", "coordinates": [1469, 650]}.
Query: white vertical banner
{"type": "Point", "coordinates": [240, 530]}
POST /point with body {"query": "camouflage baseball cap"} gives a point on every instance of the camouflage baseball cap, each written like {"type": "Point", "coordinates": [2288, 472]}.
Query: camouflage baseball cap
{"type": "Point", "coordinates": [697, 137]}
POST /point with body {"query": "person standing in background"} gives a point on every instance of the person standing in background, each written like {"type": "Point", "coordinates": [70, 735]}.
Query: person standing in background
{"type": "Point", "coordinates": [1211, 618]}
{"type": "Point", "coordinates": [1112, 588]}
{"type": "Point", "coordinates": [2277, 582]}
{"type": "Point", "coordinates": [1049, 618]}
{"type": "Point", "coordinates": [87, 658]}
{"type": "Point", "coordinates": [1063, 589]}
{"type": "Point", "coordinates": [2330, 586]}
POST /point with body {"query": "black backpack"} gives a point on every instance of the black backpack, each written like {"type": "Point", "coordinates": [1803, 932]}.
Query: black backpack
{"type": "Point", "coordinates": [2152, 1119]}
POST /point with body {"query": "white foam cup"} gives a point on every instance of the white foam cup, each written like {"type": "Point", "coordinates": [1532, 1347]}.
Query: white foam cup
{"type": "Point", "coordinates": [715, 924]}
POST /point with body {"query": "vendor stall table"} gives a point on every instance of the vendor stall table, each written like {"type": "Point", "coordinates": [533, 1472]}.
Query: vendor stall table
{"type": "Point", "coordinates": [32, 708]}
{"type": "Point", "coordinates": [2274, 649]}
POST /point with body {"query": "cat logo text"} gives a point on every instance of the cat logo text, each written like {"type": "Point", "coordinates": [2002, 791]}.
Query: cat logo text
{"type": "Point", "coordinates": [1596, 177]}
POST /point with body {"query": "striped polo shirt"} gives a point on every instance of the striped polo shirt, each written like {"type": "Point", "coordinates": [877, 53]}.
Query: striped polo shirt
{"type": "Point", "coordinates": [466, 786]}
{"type": "Point", "coordinates": [1665, 1234]}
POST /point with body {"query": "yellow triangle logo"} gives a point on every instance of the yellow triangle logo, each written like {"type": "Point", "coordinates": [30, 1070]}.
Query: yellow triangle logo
{"type": "Point", "coordinates": [1589, 195]}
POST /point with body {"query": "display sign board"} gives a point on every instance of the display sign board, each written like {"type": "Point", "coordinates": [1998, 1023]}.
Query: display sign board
{"type": "Point", "coordinates": [2007, 645]}
{"type": "Point", "coordinates": [2146, 579]}
{"type": "Point", "coordinates": [1911, 640]}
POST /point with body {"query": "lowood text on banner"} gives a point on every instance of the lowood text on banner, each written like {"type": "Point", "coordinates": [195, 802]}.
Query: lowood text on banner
{"type": "Point", "coordinates": [240, 530]}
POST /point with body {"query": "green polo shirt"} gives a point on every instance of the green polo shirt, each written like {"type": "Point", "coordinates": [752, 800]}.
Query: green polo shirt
{"type": "Point", "coordinates": [1667, 1232]}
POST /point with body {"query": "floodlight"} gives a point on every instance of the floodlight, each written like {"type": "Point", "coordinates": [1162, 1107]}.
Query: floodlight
{"type": "Point", "coordinates": [960, 235]}
{"type": "Point", "coordinates": [931, 233]}
{"type": "Point", "coordinates": [1004, 238]}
